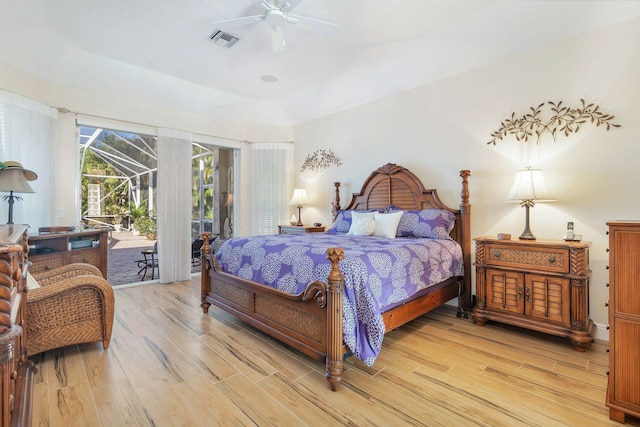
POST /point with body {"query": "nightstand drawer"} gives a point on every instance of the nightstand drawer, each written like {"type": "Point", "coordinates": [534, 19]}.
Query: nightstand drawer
{"type": "Point", "coordinates": [547, 259]}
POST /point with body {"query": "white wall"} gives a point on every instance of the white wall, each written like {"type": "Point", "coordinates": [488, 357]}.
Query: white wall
{"type": "Point", "coordinates": [439, 129]}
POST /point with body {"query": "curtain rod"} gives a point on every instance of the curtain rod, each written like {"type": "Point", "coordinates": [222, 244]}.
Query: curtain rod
{"type": "Point", "coordinates": [67, 111]}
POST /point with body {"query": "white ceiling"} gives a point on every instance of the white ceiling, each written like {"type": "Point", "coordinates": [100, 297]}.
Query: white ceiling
{"type": "Point", "coordinates": [158, 51]}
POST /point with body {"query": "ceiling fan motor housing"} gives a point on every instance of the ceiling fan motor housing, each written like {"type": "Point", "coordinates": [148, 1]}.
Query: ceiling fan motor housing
{"type": "Point", "coordinates": [275, 18]}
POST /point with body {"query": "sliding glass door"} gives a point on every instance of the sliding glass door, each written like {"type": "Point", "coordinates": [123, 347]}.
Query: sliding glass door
{"type": "Point", "coordinates": [212, 191]}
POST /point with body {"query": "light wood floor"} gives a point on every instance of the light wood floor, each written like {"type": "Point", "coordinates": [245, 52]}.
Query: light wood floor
{"type": "Point", "coordinates": [171, 365]}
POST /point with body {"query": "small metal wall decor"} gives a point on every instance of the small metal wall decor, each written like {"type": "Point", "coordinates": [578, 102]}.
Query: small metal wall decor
{"type": "Point", "coordinates": [320, 160]}
{"type": "Point", "coordinates": [563, 119]}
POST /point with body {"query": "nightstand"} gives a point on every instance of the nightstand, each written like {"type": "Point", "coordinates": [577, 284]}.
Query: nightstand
{"type": "Point", "coordinates": [299, 229]}
{"type": "Point", "coordinates": [541, 285]}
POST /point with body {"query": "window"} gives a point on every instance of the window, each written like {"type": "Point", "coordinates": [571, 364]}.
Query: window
{"type": "Point", "coordinates": [118, 176]}
{"type": "Point", "coordinates": [272, 172]}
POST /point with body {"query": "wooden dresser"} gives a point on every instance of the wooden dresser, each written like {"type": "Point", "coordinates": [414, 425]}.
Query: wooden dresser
{"type": "Point", "coordinates": [541, 285]}
{"type": "Point", "coordinates": [17, 371]}
{"type": "Point", "coordinates": [299, 229]}
{"type": "Point", "coordinates": [48, 251]}
{"type": "Point", "coordinates": [623, 389]}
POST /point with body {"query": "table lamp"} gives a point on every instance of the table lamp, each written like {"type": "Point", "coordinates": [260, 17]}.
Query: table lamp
{"type": "Point", "coordinates": [13, 179]}
{"type": "Point", "coordinates": [529, 187]}
{"type": "Point", "coordinates": [299, 199]}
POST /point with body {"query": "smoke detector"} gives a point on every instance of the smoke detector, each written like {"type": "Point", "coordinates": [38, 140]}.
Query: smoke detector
{"type": "Point", "coordinates": [223, 39]}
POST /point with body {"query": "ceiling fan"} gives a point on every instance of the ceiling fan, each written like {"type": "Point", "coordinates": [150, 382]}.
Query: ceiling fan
{"type": "Point", "coordinates": [276, 14]}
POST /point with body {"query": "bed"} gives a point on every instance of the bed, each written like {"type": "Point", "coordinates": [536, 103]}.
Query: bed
{"type": "Point", "coordinates": [310, 319]}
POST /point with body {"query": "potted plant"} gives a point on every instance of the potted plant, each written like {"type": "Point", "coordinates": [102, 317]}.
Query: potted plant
{"type": "Point", "coordinates": [146, 226]}
{"type": "Point", "coordinates": [132, 216]}
{"type": "Point", "coordinates": [117, 222]}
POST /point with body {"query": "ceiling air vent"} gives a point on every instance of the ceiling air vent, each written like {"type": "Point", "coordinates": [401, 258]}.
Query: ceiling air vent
{"type": "Point", "coordinates": [221, 38]}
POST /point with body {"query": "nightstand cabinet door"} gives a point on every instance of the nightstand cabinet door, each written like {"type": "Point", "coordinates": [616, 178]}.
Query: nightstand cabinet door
{"type": "Point", "coordinates": [534, 295]}
{"type": "Point", "coordinates": [541, 285]}
{"type": "Point", "coordinates": [547, 298]}
{"type": "Point", "coordinates": [505, 291]}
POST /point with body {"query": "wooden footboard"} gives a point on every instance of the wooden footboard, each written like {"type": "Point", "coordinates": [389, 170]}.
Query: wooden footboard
{"type": "Point", "coordinates": [310, 322]}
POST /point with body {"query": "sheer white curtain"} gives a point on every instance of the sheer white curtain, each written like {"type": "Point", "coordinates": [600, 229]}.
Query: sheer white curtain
{"type": "Point", "coordinates": [28, 132]}
{"type": "Point", "coordinates": [174, 205]}
{"type": "Point", "coordinates": [271, 185]}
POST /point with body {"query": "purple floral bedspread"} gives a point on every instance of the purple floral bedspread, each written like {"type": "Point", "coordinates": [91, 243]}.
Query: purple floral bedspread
{"type": "Point", "coordinates": [379, 272]}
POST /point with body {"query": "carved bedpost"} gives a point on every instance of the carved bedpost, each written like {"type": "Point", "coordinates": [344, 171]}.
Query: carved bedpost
{"type": "Point", "coordinates": [334, 373]}
{"type": "Point", "coordinates": [204, 274]}
{"type": "Point", "coordinates": [465, 216]}
{"type": "Point", "coordinates": [335, 205]}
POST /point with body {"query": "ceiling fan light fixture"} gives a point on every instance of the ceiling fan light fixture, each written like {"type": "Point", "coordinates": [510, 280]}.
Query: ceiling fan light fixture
{"type": "Point", "coordinates": [223, 39]}
{"type": "Point", "coordinates": [275, 18]}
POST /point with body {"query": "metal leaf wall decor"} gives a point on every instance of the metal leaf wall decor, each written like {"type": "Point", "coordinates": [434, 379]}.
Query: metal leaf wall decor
{"type": "Point", "coordinates": [320, 160]}
{"type": "Point", "coordinates": [563, 120]}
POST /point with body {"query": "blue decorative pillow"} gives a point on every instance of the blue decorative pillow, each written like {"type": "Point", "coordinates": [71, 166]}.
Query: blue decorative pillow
{"type": "Point", "coordinates": [429, 223]}
{"type": "Point", "coordinates": [343, 220]}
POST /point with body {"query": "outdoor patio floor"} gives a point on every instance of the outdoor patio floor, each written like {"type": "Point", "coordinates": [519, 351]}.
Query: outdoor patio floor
{"type": "Point", "coordinates": [124, 254]}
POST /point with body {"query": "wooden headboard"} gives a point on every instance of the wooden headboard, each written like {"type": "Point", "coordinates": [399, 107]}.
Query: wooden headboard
{"type": "Point", "coordinates": [395, 185]}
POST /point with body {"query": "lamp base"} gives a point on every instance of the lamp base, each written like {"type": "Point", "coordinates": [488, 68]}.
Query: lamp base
{"type": "Point", "coordinates": [11, 198]}
{"type": "Point", "coordinates": [299, 224]}
{"type": "Point", "coordinates": [526, 234]}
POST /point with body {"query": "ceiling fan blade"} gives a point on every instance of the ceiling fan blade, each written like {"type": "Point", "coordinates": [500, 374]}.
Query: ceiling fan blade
{"type": "Point", "coordinates": [266, 5]}
{"type": "Point", "coordinates": [310, 23]}
{"type": "Point", "coordinates": [284, 5]}
{"type": "Point", "coordinates": [277, 39]}
{"type": "Point", "coordinates": [287, 5]}
{"type": "Point", "coordinates": [237, 22]}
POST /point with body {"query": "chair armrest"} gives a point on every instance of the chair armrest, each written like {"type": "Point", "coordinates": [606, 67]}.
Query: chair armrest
{"type": "Point", "coordinates": [65, 311]}
{"type": "Point", "coordinates": [70, 286]}
{"type": "Point", "coordinates": [68, 271]}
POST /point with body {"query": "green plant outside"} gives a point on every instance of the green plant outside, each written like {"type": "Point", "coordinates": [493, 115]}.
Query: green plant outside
{"type": "Point", "coordinates": [137, 212]}
{"type": "Point", "coordinates": [146, 226]}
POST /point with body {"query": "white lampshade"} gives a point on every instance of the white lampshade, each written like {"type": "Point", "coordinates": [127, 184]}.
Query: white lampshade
{"type": "Point", "coordinates": [14, 180]}
{"type": "Point", "coordinates": [299, 197]}
{"type": "Point", "coordinates": [529, 185]}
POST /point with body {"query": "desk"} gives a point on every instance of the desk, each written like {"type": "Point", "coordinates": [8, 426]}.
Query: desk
{"type": "Point", "coordinates": [51, 250]}
{"type": "Point", "coordinates": [150, 261]}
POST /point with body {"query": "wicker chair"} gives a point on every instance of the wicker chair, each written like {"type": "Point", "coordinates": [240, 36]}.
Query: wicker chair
{"type": "Point", "coordinates": [73, 305]}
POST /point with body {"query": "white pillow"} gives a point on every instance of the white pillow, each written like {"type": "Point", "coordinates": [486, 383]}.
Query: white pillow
{"type": "Point", "coordinates": [31, 282]}
{"type": "Point", "coordinates": [362, 224]}
{"type": "Point", "coordinates": [387, 224]}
